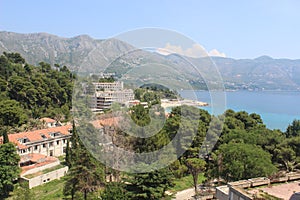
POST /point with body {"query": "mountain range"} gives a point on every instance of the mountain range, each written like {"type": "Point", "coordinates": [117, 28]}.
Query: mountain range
{"type": "Point", "coordinates": [83, 53]}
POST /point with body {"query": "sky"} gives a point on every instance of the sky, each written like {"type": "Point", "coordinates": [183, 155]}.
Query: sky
{"type": "Point", "coordinates": [237, 29]}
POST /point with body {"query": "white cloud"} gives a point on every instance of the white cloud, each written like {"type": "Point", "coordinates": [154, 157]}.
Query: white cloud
{"type": "Point", "coordinates": [216, 53]}
{"type": "Point", "coordinates": [195, 51]}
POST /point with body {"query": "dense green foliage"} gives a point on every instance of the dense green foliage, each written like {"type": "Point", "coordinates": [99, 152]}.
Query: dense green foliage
{"type": "Point", "coordinates": [107, 80]}
{"type": "Point", "coordinates": [153, 93]}
{"type": "Point", "coordinates": [152, 185]}
{"type": "Point", "coordinates": [28, 91]}
{"type": "Point", "coordinates": [9, 168]}
{"type": "Point", "coordinates": [293, 129]}
{"type": "Point", "coordinates": [243, 161]}
{"type": "Point", "coordinates": [86, 174]}
{"type": "Point", "coordinates": [114, 191]}
{"type": "Point", "coordinates": [22, 192]}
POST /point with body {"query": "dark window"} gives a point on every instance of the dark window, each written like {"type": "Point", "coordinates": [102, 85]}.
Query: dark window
{"type": "Point", "coordinates": [44, 145]}
{"type": "Point", "coordinates": [57, 142]}
{"type": "Point", "coordinates": [36, 147]}
{"type": "Point", "coordinates": [50, 144]}
{"type": "Point", "coordinates": [43, 136]}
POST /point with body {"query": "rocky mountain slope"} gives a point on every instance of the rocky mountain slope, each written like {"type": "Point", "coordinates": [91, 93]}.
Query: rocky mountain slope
{"type": "Point", "coordinates": [93, 55]}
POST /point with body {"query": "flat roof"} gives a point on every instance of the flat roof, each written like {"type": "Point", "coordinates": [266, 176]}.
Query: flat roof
{"type": "Point", "coordinates": [283, 191]}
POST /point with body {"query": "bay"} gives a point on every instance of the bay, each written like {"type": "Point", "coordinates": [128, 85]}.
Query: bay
{"type": "Point", "coordinates": [277, 108]}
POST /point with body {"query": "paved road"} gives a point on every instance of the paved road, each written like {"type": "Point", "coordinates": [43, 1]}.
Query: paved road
{"type": "Point", "coordinates": [185, 194]}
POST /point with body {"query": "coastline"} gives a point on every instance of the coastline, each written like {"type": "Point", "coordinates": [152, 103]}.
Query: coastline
{"type": "Point", "coordinates": [165, 103]}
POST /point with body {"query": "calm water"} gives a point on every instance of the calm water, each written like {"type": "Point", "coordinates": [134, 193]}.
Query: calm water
{"type": "Point", "coordinates": [277, 109]}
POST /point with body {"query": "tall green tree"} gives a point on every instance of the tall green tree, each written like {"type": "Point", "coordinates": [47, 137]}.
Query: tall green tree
{"type": "Point", "coordinates": [86, 174]}
{"type": "Point", "coordinates": [9, 168]}
{"type": "Point", "coordinates": [5, 136]}
{"type": "Point", "coordinates": [195, 166]}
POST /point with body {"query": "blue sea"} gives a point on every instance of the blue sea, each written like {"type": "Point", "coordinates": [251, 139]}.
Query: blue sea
{"type": "Point", "coordinates": [277, 108]}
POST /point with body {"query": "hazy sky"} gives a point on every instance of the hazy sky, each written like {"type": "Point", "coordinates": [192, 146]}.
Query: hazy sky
{"type": "Point", "coordinates": [240, 29]}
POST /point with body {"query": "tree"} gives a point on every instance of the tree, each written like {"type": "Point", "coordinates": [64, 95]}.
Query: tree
{"type": "Point", "coordinates": [86, 174]}
{"type": "Point", "coordinates": [5, 136]}
{"type": "Point", "coordinates": [287, 156]}
{"type": "Point", "coordinates": [114, 191]}
{"type": "Point", "coordinates": [293, 129]}
{"type": "Point", "coordinates": [288, 153]}
{"type": "Point", "coordinates": [14, 58]}
{"type": "Point", "coordinates": [11, 114]}
{"type": "Point", "coordinates": [39, 91]}
{"type": "Point", "coordinates": [140, 115]}
{"type": "Point", "coordinates": [243, 161]}
{"type": "Point", "coordinates": [22, 192]}
{"type": "Point", "coordinates": [9, 168]}
{"type": "Point", "coordinates": [195, 166]}
{"type": "Point", "coordinates": [149, 186]}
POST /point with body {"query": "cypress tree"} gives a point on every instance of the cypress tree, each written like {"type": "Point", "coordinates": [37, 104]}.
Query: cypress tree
{"type": "Point", "coordinates": [5, 137]}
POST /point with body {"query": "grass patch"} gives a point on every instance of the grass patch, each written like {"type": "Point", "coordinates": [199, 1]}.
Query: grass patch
{"type": "Point", "coordinates": [49, 191]}
{"type": "Point", "coordinates": [45, 171]}
{"type": "Point", "coordinates": [186, 183]}
{"type": "Point", "coordinates": [62, 159]}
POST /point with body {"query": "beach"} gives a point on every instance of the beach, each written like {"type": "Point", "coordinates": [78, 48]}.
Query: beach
{"type": "Point", "coordinates": [166, 103]}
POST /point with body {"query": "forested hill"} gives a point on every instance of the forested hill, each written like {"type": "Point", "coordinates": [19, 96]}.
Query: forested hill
{"type": "Point", "coordinates": [29, 92]}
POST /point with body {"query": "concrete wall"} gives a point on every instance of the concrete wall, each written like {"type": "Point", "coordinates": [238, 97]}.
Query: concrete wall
{"type": "Point", "coordinates": [235, 194]}
{"type": "Point", "coordinates": [222, 192]}
{"type": "Point", "coordinates": [37, 169]}
{"type": "Point", "coordinates": [44, 178]}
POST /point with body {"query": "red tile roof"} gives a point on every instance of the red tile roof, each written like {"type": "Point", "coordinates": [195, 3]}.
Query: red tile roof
{"type": "Point", "coordinates": [39, 159]}
{"type": "Point", "coordinates": [34, 136]}
{"type": "Point", "coordinates": [34, 157]}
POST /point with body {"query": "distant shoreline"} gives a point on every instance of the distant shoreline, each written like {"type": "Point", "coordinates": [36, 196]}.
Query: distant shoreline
{"type": "Point", "coordinates": [165, 103]}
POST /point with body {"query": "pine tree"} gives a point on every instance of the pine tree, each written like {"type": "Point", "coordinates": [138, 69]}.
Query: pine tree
{"type": "Point", "coordinates": [149, 186]}
{"type": "Point", "coordinates": [86, 174]}
{"type": "Point", "coordinates": [195, 166]}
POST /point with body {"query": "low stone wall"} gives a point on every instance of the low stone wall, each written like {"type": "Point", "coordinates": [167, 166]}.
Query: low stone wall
{"type": "Point", "coordinates": [259, 181]}
{"type": "Point", "coordinates": [293, 176]}
{"type": "Point", "coordinates": [241, 183]}
{"type": "Point", "coordinates": [44, 178]}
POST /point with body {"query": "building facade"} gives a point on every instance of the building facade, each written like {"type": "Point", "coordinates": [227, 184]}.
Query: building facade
{"type": "Point", "coordinates": [105, 94]}
{"type": "Point", "coordinates": [49, 142]}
